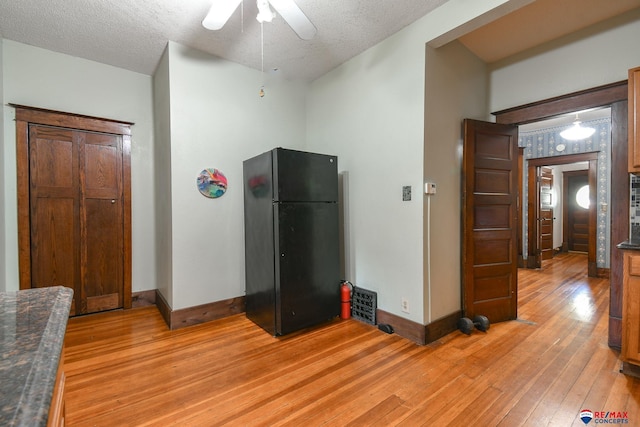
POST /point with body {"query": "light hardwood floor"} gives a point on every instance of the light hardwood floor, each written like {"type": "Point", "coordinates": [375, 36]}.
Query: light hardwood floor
{"type": "Point", "coordinates": [125, 368]}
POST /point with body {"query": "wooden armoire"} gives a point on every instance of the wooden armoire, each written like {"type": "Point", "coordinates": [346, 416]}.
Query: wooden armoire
{"type": "Point", "coordinates": [74, 206]}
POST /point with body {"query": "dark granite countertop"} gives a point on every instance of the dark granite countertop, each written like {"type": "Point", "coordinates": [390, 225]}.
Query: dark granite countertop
{"type": "Point", "coordinates": [32, 327]}
{"type": "Point", "coordinates": [631, 244]}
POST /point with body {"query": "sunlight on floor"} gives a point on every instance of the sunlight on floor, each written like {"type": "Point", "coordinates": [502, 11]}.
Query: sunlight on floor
{"type": "Point", "coordinates": [583, 306]}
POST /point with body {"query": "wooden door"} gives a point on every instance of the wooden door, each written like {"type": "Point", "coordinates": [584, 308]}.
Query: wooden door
{"type": "Point", "coordinates": [545, 218]}
{"type": "Point", "coordinates": [54, 203]}
{"type": "Point", "coordinates": [76, 215]}
{"type": "Point", "coordinates": [577, 215]}
{"type": "Point", "coordinates": [74, 206]}
{"type": "Point", "coordinates": [489, 222]}
{"type": "Point", "coordinates": [101, 221]}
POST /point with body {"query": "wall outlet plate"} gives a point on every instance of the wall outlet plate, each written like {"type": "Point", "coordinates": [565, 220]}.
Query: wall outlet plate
{"type": "Point", "coordinates": [405, 305]}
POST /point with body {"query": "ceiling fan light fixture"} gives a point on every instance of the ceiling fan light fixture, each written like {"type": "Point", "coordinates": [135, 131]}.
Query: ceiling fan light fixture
{"type": "Point", "coordinates": [219, 13]}
{"type": "Point", "coordinates": [265, 14]}
{"type": "Point", "coordinates": [577, 132]}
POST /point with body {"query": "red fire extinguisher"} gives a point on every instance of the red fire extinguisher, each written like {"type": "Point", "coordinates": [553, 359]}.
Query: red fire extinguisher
{"type": "Point", "coordinates": [345, 298]}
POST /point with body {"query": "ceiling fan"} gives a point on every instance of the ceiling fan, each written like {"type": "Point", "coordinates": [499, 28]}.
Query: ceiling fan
{"type": "Point", "coordinates": [221, 11]}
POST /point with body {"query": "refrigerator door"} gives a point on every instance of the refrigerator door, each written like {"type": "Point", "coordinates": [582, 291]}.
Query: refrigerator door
{"type": "Point", "coordinates": [308, 266]}
{"type": "Point", "coordinates": [301, 176]}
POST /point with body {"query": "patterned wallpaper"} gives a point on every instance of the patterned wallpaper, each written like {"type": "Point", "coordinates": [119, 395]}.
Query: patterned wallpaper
{"type": "Point", "coordinates": [544, 143]}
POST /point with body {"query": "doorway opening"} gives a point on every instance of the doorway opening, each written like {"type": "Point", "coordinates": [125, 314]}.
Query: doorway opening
{"type": "Point", "coordinates": [614, 96]}
{"type": "Point", "coordinates": [547, 148]}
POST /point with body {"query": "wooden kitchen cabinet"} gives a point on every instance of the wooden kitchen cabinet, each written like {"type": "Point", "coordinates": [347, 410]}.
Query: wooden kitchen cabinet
{"type": "Point", "coordinates": [631, 308]}
{"type": "Point", "coordinates": [634, 120]}
{"type": "Point", "coordinates": [57, 408]}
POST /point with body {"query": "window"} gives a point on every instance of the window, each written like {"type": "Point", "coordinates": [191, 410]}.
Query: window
{"type": "Point", "coordinates": [582, 197]}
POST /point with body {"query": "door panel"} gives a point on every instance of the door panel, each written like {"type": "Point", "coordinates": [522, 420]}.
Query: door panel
{"type": "Point", "coordinates": [102, 253]}
{"type": "Point", "coordinates": [546, 233]}
{"type": "Point", "coordinates": [54, 201]}
{"type": "Point", "coordinates": [101, 217]}
{"type": "Point", "coordinates": [545, 218]}
{"type": "Point", "coordinates": [490, 177]}
{"type": "Point", "coordinates": [302, 176]}
{"type": "Point", "coordinates": [308, 269]}
{"type": "Point", "coordinates": [53, 245]}
{"type": "Point", "coordinates": [76, 215]}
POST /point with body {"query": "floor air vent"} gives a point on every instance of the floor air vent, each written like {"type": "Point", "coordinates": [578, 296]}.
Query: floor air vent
{"type": "Point", "coordinates": [364, 304]}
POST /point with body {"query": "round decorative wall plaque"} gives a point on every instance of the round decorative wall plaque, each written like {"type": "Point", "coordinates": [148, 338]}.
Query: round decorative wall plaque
{"type": "Point", "coordinates": [212, 183]}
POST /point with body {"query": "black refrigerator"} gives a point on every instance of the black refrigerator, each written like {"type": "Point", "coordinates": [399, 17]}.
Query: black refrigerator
{"type": "Point", "coordinates": [292, 264]}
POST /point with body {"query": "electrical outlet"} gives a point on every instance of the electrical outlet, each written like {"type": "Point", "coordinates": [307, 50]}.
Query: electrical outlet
{"type": "Point", "coordinates": [405, 305]}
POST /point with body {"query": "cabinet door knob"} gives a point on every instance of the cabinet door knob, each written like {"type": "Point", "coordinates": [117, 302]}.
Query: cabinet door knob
{"type": "Point", "coordinates": [113, 201]}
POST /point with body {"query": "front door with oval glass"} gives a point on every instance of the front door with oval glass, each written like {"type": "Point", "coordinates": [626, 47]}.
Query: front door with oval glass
{"type": "Point", "coordinates": [577, 205]}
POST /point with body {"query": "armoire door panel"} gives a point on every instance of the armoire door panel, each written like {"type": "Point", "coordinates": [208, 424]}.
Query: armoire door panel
{"type": "Point", "coordinates": [53, 248]}
{"type": "Point", "coordinates": [102, 166]}
{"type": "Point", "coordinates": [101, 262]}
{"type": "Point", "coordinates": [102, 303]}
{"type": "Point", "coordinates": [54, 202]}
{"type": "Point", "coordinates": [52, 158]}
{"type": "Point", "coordinates": [101, 221]}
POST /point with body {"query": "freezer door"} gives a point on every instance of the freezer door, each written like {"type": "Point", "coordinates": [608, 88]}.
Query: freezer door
{"type": "Point", "coordinates": [301, 176]}
{"type": "Point", "coordinates": [308, 266]}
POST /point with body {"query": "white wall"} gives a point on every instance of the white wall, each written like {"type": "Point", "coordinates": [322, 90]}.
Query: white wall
{"type": "Point", "coordinates": [162, 177]}
{"type": "Point", "coordinates": [45, 79]}
{"type": "Point", "coordinates": [218, 120]}
{"type": "Point", "coordinates": [456, 88]}
{"type": "Point", "coordinates": [370, 113]}
{"type": "Point", "coordinates": [592, 57]}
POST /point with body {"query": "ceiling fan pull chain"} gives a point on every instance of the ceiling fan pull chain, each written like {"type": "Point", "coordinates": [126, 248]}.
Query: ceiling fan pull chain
{"type": "Point", "coordinates": [262, 58]}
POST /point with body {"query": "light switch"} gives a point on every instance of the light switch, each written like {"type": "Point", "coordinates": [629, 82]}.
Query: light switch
{"type": "Point", "coordinates": [406, 193]}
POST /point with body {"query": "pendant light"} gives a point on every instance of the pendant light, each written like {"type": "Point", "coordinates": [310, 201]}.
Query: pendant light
{"type": "Point", "coordinates": [265, 14]}
{"type": "Point", "coordinates": [577, 132]}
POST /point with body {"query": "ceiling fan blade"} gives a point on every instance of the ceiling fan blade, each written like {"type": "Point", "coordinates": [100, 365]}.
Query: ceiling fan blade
{"type": "Point", "coordinates": [296, 19]}
{"type": "Point", "coordinates": [219, 14]}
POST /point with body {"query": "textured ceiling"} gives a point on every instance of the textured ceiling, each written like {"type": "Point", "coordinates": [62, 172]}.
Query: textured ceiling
{"type": "Point", "coordinates": [132, 34]}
